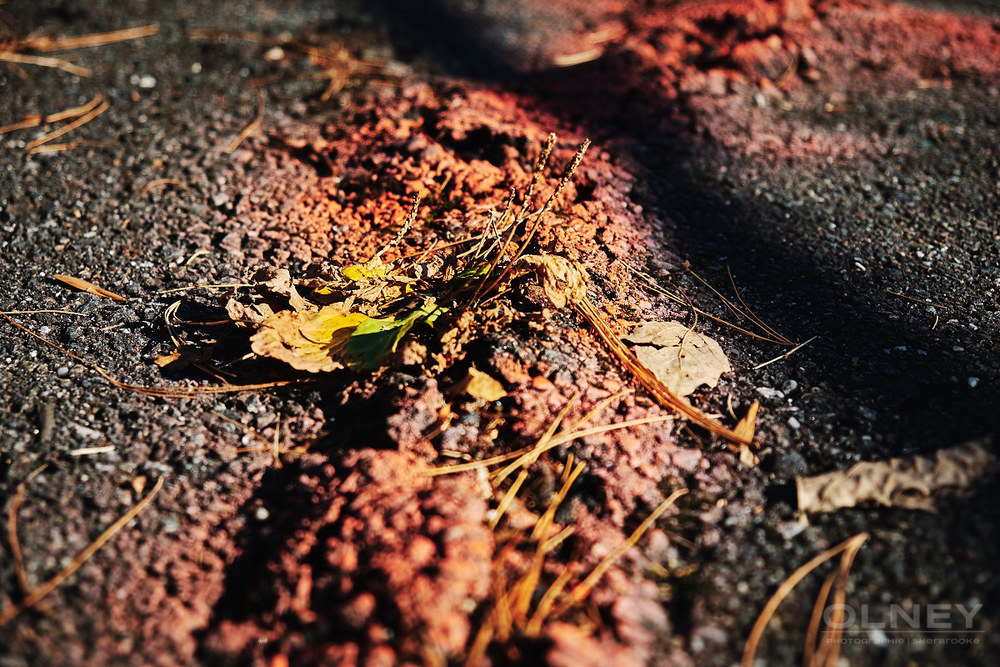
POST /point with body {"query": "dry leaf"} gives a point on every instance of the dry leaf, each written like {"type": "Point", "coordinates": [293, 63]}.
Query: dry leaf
{"type": "Point", "coordinates": [563, 281]}
{"type": "Point", "coordinates": [682, 359]}
{"type": "Point", "coordinates": [273, 291]}
{"type": "Point", "coordinates": [278, 281]}
{"type": "Point", "coordinates": [167, 359]}
{"type": "Point", "coordinates": [307, 340]}
{"type": "Point", "coordinates": [746, 428]}
{"type": "Point", "coordinates": [480, 385]}
{"type": "Point", "coordinates": [908, 483]}
{"type": "Point", "coordinates": [85, 286]}
{"type": "Point", "coordinates": [248, 313]}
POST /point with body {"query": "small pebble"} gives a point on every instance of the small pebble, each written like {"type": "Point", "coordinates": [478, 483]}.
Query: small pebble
{"type": "Point", "coordinates": [794, 423]}
{"type": "Point", "coordinates": [770, 393]}
{"type": "Point", "coordinates": [261, 514]}
{"type": "Point", "coordinates": [789, 386]}
{"type": "Point", "coordinates": [63, 371]}
{"type": "Point", "coordinates": [973, 381]}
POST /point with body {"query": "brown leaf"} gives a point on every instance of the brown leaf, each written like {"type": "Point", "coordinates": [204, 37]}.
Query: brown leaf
{"type": "Point", "coordinates": [563, 281]}
{"type": "Point", "coordinates": [278, 281]}
{"type": "Point", "coordinates": [681, 358]}
{"type": "Point", "coordinates": [908, 483]}
{"type": "Point", "coordinates": [85, 286]}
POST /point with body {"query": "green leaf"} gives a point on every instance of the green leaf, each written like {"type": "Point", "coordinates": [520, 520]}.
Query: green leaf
{"type": "Point", "coordinates": [375, 338]}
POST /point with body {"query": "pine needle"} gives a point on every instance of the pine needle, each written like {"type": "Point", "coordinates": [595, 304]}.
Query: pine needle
{"type": "Point", "coordinates": [46, 43]}
{"type": "Point", "coordinates": [43, 61]}
{"type": "Point", "coordinates": [37, 594]}
{"type": "Point", "coordinates": [582, 590]}
{"type": "Point", "coordinates": [251, 127]}
{"type": "Point", "coordinates": [15, 544]}
{"type": "Point", "coordinates": [103, 106]}
{"type": "Point", "coordinates": [851, 545]}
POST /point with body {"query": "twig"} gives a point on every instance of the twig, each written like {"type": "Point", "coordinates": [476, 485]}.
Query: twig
{"type": "Point", "coordinates": [37, 594]}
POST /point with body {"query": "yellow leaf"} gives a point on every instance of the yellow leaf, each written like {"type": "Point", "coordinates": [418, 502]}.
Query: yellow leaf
{"type": "Point", "coordinates": [323, 328]}
{"type": "Point", "coordinates": [306, 340]}
{"type": "Point", "coordinates": [356, 272]}
{"type": "Point", "coordinates": [478, 384]}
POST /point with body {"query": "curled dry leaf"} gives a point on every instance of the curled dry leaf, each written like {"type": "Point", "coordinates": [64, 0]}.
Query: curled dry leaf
{"type": "Point", "coordinates": [563, 281]}
{"type": "Point", "coordinates": [278, 281]}
{"type": "Point", "coordinates": [907, 483]}
{"type": "Point", "coordinates": [681, 358]}
{"type": "Point", "coordinates": [272, 291]}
